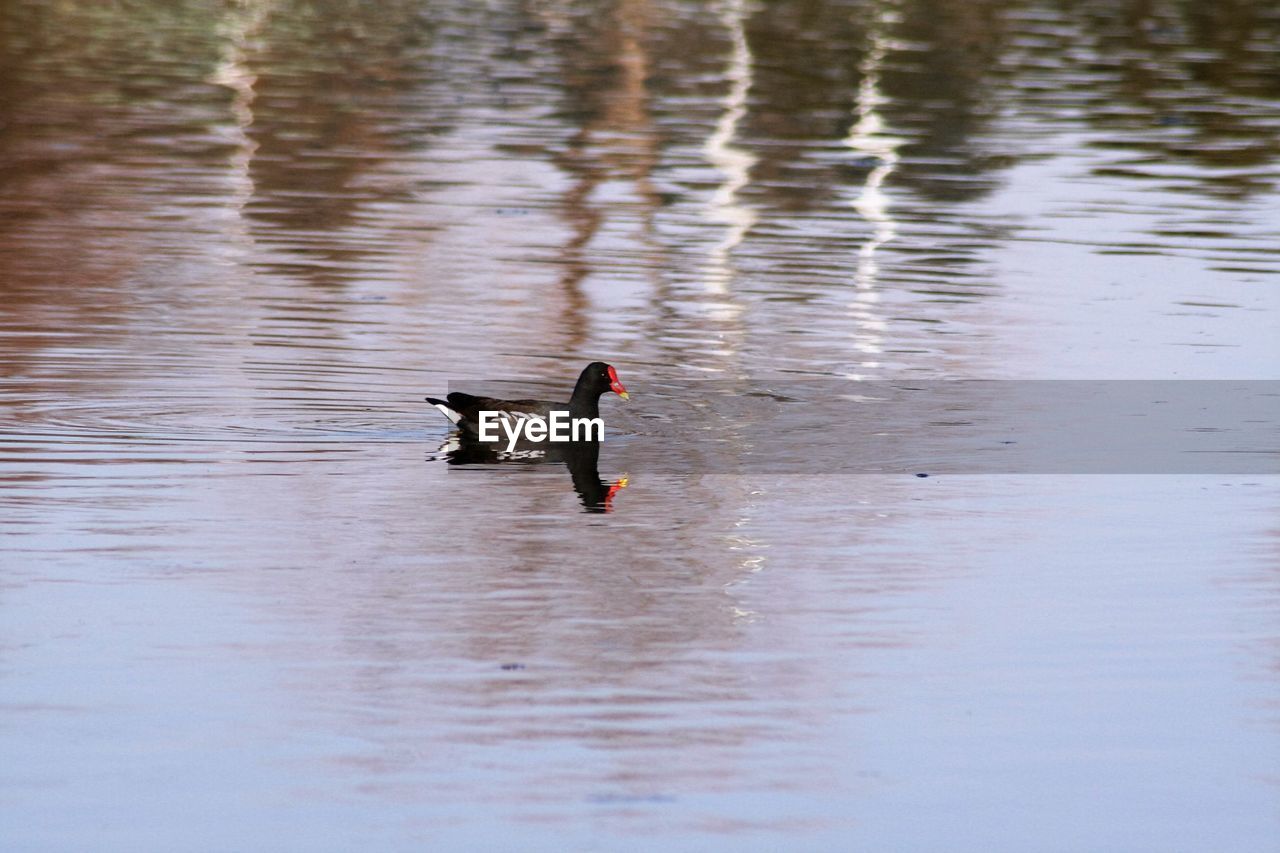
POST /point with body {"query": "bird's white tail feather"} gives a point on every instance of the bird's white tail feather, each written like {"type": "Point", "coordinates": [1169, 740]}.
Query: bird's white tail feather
{"type": "Point", "coordinates": [448, 412]}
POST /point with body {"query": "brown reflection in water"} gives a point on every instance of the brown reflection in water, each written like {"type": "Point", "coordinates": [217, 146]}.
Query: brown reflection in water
{"type": "Point", "coordinates": [104, 147]}
{"type": "Point", "coordinates": [1190, 83]}
{"type": "Point", "coordinates": [331, 80]}
{"type": "Point", "coordinates": [807, 60]}
{"type": "Point", "coordinates": [941, 96]}
{"type": "Point", "coordinates": [605, 66]}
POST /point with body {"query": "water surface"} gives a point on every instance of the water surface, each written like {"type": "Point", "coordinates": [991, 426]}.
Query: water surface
{"type": "Point", "coordinates": [249, 604]}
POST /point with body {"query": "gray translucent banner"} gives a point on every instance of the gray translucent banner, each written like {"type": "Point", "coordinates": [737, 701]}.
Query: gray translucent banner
{"type": "Point", "coordinates": [962, 426]}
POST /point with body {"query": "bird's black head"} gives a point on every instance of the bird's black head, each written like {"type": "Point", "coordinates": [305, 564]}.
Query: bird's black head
{"type": "Point", "coordinates": [597, 378]}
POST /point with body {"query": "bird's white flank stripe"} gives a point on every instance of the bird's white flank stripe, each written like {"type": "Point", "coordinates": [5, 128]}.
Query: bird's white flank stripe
{"type": "Point", "coordinates": [448, 412]}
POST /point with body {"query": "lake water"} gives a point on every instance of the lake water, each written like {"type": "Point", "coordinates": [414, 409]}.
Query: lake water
{"type": "Point", "coordinates": [247, 603]}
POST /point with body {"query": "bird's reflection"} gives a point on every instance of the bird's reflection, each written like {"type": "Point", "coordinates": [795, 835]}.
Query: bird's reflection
{"type": "Point", "coordinates": [582, 459]}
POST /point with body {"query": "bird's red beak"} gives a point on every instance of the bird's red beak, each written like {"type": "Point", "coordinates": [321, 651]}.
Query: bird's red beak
{"type": "Point", "coordinates": [615, 386]}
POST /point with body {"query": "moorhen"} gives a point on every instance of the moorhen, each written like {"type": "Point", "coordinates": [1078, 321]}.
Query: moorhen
{"type": "Point", "coordinates": [596, 379]}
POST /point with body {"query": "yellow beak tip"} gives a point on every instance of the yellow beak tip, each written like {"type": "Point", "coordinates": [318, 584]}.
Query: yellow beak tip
{"type": "Point", "coordinates": [624, 395]}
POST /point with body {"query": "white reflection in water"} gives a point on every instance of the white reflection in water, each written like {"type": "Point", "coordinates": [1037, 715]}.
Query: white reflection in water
{"type": "Point", "coordinates": [868, 141]}
{"type": "Point", "coordinates": [727, 209]}
{"type": "Point", "coordinates": [733, 163]}
{"type": "Point", "coordinates": [239, 27]}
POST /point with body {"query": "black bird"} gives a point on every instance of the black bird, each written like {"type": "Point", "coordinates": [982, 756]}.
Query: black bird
{"type": "Point", "coordinates": [596, 379]}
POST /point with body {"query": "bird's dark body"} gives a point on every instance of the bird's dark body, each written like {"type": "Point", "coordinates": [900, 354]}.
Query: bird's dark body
{"type": "Point", "coordinates": [470, 407]}
{"type": "Point", "coordinates": [596, 379]}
